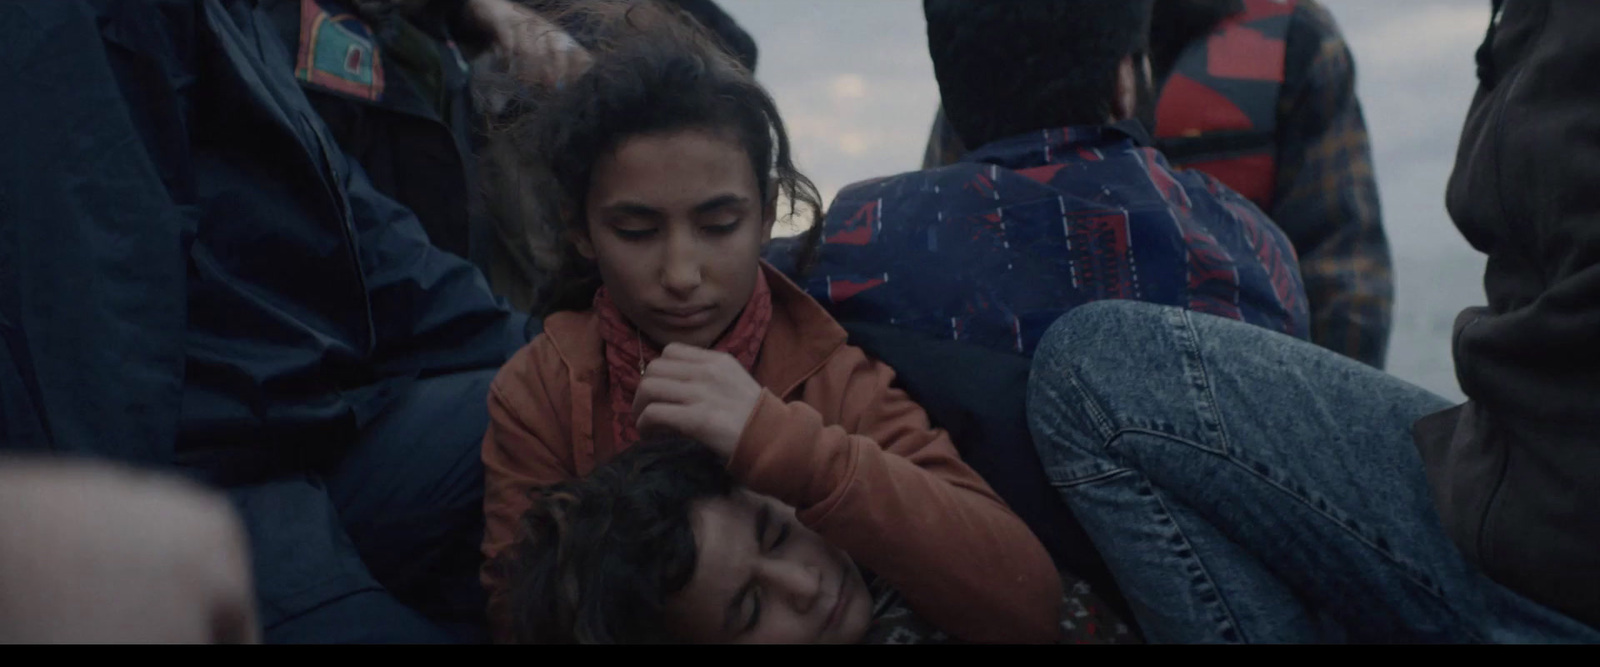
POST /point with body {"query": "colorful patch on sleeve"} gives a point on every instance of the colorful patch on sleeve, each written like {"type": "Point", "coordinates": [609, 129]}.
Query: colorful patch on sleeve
{"type": "Point", "coordinates": [338, 52]}
{"type": "Point", "coordinates": [840, 289]}
{"type": "Point", "coordinates": [1099, 247]}
{"type": "Point", "coordinates": [860, 227]}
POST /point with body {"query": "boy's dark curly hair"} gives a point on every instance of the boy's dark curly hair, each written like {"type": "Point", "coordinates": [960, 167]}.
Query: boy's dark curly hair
{"type": "Point", "coordinates": [597, 558]}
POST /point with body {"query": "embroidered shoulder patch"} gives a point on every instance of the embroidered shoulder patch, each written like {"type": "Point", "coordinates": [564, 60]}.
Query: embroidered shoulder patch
{"type": "Point", "coordinates": [338, 52]}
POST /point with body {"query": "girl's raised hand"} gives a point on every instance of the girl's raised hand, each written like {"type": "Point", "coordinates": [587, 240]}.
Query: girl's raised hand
{"type": "Point", "coordinates": [697, 393]}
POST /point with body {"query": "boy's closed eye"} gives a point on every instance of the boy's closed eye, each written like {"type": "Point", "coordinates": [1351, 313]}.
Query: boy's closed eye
{"type": "Point", "coordinates": [769, 538]}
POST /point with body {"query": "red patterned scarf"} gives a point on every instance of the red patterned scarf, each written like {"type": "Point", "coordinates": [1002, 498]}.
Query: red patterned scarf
{"type": "Point", "coordinates": [627, 351]}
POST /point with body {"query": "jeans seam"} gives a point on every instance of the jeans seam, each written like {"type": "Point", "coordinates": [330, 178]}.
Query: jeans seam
{"type": "Point", "coordinates": [1104, 428]}
{"type": "Point", "coordinates": [1228, 620]}
{"type": "Point", "coordinates": [1222, 600]}
{"type": "Point", "coordinates": [1195, 363]}
{"type": "Point", "coordinates": [1408, 571]}
{"type": "Point", "coordinates": [1099, 477]}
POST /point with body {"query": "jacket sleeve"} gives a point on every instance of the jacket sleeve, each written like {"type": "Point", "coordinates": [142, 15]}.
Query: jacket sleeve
{"type": "Point", "coordinates": [1327, 195]}
{"type": "Point", "coordinates": [433, 312]}
{"type": "Point", "coordinates": [892, 492]}
{"type": "Point", "coordinates": [517, 458]}
{"type": "Point", "coordinates": [95, 204]}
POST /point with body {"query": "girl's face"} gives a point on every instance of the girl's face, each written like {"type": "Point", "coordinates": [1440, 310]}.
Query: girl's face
{"type": "Point", "coordinates": [676, 223]}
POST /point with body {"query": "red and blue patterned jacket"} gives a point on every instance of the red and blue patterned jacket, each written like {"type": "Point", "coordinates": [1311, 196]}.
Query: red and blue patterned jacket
{"type": "Point", "coordinates": [994, 249]}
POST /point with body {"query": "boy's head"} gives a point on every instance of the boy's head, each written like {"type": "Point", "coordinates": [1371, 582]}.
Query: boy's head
{"type": "Point", "coordinates": [1009, 67]}
{"type": "Point", "coordinates": [661, 545]}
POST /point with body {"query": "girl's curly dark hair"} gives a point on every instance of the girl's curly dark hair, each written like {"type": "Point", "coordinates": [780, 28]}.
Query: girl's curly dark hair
{"type": "Point", "coordinates": [655, 71]}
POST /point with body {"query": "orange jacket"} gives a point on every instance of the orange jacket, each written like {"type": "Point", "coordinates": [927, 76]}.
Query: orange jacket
{"type": "Point", "coordinates": [856, 458]}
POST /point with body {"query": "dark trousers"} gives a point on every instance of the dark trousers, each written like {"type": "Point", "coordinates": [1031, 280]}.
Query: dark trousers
{"type": "Point", "coordinates": [382, 546]}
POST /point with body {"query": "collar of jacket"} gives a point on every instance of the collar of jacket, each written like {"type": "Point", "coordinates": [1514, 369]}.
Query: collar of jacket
{"type": "Point", "coordinates": [800, 339]}
{"type": "Point", "coordinates": [1055, 145]}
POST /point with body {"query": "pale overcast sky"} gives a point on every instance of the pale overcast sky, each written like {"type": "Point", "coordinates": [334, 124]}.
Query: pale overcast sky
{"type": "Point", "coordinates": [855, 85]}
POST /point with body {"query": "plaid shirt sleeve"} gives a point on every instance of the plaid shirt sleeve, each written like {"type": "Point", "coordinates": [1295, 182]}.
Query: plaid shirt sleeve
{"type": "Point", "coordinates": [1327, 194]}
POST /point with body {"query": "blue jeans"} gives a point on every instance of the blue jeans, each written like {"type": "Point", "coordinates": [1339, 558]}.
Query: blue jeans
{"type": "Point", "coordinates": [1245, 486]}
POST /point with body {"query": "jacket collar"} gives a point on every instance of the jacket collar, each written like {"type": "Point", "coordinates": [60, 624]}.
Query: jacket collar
{"type": "Point", "coordinates": [1057, 145]}
{"type": "Point", "coordinates": [799, 341]}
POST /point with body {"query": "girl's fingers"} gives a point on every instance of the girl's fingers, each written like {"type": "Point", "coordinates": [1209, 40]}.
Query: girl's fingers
{"type": "Point", "coordinates": [683, 352]}
{"type": "Point", "coordinates": [663, 390]}
{"type": "Point", "coordinates": [662, 418]}
{"type": "Point", "coordinates": [676, 369]}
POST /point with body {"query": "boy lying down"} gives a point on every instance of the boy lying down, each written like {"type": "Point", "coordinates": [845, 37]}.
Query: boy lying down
{"type": "Point", "coordinates": [661, 545]}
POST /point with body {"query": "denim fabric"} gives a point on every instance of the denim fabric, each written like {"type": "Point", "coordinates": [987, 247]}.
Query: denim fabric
{"type": "Point", "coordinates": [1245, 486]}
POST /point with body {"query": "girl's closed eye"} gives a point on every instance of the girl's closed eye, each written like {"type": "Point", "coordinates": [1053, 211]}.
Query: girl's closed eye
{"type": "Point", "coordinates": [722, 229]}
{"type": "Point", "coordinates": [634, 233]}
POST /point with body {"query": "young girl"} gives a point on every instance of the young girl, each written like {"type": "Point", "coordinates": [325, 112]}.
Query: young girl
{"type": "Point", "coordinates": [664, 164]}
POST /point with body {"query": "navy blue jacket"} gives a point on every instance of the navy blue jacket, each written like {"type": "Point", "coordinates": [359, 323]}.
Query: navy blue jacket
{"type": "Point", "coordinates": [190, 267]}
{"type": "Point", "coordinates": [406, 114]}
{"type": "Point", "coordinates": [994, 249]}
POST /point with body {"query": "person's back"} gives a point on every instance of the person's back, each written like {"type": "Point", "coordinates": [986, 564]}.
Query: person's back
{"type": "Point", "coordinates": [995, 249]}
{"type": "Point", "coordinates": [1514, 470]}
{"type": "Point", "coordinates": [1261, 94]}
{"type": "Point", "coordinates": [1064, 203]}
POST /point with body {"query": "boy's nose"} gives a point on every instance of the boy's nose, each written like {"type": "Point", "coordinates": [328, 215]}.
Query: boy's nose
{"type": "Point", "coordinates": [799, 583]}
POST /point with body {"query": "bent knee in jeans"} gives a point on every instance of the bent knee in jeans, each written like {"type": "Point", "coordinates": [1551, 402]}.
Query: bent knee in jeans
{"type": "Point", "coordinates": [1095, 363]}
